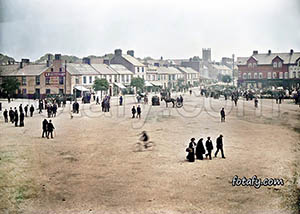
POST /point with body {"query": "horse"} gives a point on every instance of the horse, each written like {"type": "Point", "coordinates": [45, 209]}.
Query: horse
{"type": "Point", "coordinates": [169, 100]}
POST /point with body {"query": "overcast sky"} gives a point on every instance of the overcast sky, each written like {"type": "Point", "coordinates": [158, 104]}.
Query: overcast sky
{"type": "Point", "coordinates": [168, 28]}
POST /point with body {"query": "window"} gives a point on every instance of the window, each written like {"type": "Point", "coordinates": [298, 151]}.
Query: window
{"type": "Point", "coordinates": [51, 69]}
{"type": "Point", "coordinates": [123, 78]}
{"type": "Point", "coordinates": [77, 80]}
{"type": "Point", "coordinates": [294, 74]}
{"type": "Point", "coordinates": [244, 76]}
{"type": "Point", "coordinates": [47, 80]}
{"type": "Point", "coordinates": [299, 63]}
{"type": "Point", "coordinates": [23, 80]}
{"type": "Point", "coordinates": [280, 75]}
{"type": "Point", "coordinates": [274, 75]}
{"type": "Point", "coordinates": [127, 78]}
{"type": "Point", "coordinates": [84, 79]}
{"type": "Point", "coordinates": [255, 75]}
{"type": "Point", "coordinates": [158, 77]}
{"type": "Point", "coordinates": [286, 75]}
{"type": "Point", "coordinates": [240, 74]}
{"type": "Point", "coordinates": [274, 64]}
{"type": "Point", "coordinates": [142, 69]}
{"type": "Point", "coordinates": [260, 75]}
{"type": "Point", "coordinates": [250, 65]}
{"type": "Point", "coordinates": [269, 75]}
{"type": "Point", "coordinates": [91, 79]}
{"type": "Point", "coordinates": [279, 64]}
{"type": "Point", "coordinates": [48, 91]}
{"type": "Point", "coordinates": [61, 91]}
{"type": "Point", "coordinates": [249, 76]}
{"type": "Point", "coordinates": [37, 80]}
{"type": "Point", "coordinates": [298, 74]}
{"type": "Point", "coordinates": [61, 80]}
{"type": "Point", "coordinates": [137, 69]}
{"type": "Point", "coordinates": [110, 78]}
{"type": "Point", "coordinates": [24, 91]}
{"type": "Point", "coordinates": [153, 77]}
{"type": "Point", "coordinates": [254, 64]}
{"type": "Point", "coordinates": [60, 69]}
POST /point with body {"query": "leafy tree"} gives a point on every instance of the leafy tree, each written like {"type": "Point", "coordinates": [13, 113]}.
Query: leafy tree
{"type": "Point", "coordinates": [100, 85]}
{"type": "Point", "coordinates": [10, 85]}
{"type": "Point", "coordinates": [226, 78]}
{"type": "Point", "coordinates": [138, 82]}
{"type": "Point", "coordinates": [180, 83]}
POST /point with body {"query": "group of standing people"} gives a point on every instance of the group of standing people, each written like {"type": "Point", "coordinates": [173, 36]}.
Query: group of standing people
{"type": "Point", "coordinates": [75, 107]}
{"type": "Point", "coordinates": [136, 111]}
{"type": "Point", "coordinates": [51, 109]}
{"type": "Point", "coordinates": [48, 128]}
{"type": "Point", "coordinates": [198, 150]}
{"type": "Point", "coordinates": [18, 117]}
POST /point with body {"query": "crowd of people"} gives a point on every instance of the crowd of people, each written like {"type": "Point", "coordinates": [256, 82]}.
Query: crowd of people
{"type": "Point", "coordinates": [105, 104]}
{"type": "Point", "coordinates": [17, 117]}
{"type": "Point", "coordinates": [197, 150]}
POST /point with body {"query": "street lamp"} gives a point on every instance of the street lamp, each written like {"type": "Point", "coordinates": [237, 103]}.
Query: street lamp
{"type": "Point", "coordinates": [233, 69]}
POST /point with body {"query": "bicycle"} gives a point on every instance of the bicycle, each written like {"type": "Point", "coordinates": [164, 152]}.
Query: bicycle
{"type": "Point", "coordinates": [144, 146]}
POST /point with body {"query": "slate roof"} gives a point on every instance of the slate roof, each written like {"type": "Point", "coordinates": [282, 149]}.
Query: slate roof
{"type": "Point", "coordinates": [120, 69]}
{"type": "Point", "coordinates": [27, 70]}
{"type": "Point", "coordinates": [81, 69]}
{"type": "Point", "coordinates": [103, 69]}
{"type": "Point", "coordinates": [187, 70]}
{"type": "Point", "coordinates": [168, 70]}
{"type": "Point", "coordinates": [132, 60]}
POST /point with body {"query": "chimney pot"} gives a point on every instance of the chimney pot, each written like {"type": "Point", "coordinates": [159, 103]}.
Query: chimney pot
{"type": "Point", "coordinates": [118, 52]}
{"type": "Point", "coordinates": [291, 51]}
{"type": "Point", "coordinates": [130, 52]}
{"type": "Point", "coordinates": [255, 52]}
{"type": "Point", "coordinates": [106, 62]}
{"type": "Point", "coordinates": [86, 60]}
{"type": "Point", "coordinates": [269, 52]}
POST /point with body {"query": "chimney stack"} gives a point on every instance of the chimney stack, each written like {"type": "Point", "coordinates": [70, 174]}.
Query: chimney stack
{"type": "Point", "coordinates": [131, 53]}
{"type": "Point", "coordinates": [255, 52]}
{"type": "Point", "coordinates": [291, 51]}
{"type": "Point", "coordinates": [57, 56]}
{"type": "Point", "coordinates": [48, 60]}
{"type": "Point", "coordinates": [21, 65]}
{"type": "Point", "coordinates": [106, 62]}
{"type": "Point", "coordinates": [156, 64]}
{"type": "Point", "coordinates": [86, 60]}
{"type": "Point", "coordinates": [118, 52]}
{"type": "Point", "coordinates": [269, 52]}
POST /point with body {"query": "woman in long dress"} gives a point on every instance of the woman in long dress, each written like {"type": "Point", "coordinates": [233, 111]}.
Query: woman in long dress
{"type": "Point", "coordinates": [200, 149]}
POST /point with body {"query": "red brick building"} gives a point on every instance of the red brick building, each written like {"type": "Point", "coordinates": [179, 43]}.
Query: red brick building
{"type": "Point", "coordinates": [268, 69]}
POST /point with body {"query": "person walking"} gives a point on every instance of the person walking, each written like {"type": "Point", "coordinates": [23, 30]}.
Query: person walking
{"type": "Point", "coordinates": [22, 116]}
{"type": "Point", "coordinates": [255, 102]}
{"type": "Point", "coordinates": [133, 111]}
{"type": "Point", "coordinates": [121, 100]}
{"type": "Point", "coordinates": [190, 92]}
{"type": "Point", "coordinates": [200, 151]}
{"type": "Point", "coordinates": [138, 111]}
{"type": "Point", "coordinates": [11, 114]}
{"type": "Point", "coordinates": [40, 106]}
{"type": "Point", "coordinates": [97, 101]}
{"type": "Point", "coordinates": [209, 147]}
{"type": "Point", "coordinates": [32, 110]}
{"type": "Point", "coordinates": [16, 117]}
{"type": "Point", "coordinates": [5, 115]}
{"type": "Point", "coordinates": [220, 146]}
{"type": "Point", "coordinates": [222, 112]}
{"type": "Point", "coordinates": [50, 129]}
{"type": "Point", "coordinates": [26, 110]}
{"type": "Point", "coordinates": [44, 127]}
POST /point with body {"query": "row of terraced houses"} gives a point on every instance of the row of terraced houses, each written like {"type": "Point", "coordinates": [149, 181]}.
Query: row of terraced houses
{"type": "Point", "coordinates": [59, 77]}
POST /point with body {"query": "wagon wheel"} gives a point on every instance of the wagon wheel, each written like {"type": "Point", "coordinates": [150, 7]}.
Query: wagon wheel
{"type": "Point", "coordinates": [179, 104]}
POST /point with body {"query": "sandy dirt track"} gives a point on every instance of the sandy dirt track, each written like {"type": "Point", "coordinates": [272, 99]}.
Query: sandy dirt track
{"type": "Point", "coordinates": [90, 166]}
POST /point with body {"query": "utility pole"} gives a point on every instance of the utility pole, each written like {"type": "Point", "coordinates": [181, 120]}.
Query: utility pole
{"type": "Point", "coordinates": [233, 69]}
{"type": "Point", "coordinates": [65, 77]}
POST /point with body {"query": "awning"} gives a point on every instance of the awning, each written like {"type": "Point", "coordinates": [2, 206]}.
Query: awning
{"type": "Point", "coordinates": [81, 88]}
{"type": "Point", "coordinates": [148, 84]}
{"type": "Point", "coordinates": [120, 85]}
{"type": "Point", "coordinates": [156, 83]}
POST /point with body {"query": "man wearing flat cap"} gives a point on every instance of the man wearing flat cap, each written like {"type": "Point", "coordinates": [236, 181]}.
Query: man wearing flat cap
{"type": "Point", "coordinates": [220, 146]}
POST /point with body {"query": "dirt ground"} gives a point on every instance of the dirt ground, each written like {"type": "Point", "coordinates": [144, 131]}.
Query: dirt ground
{"type": "Point", "coordinates": [90, 165]}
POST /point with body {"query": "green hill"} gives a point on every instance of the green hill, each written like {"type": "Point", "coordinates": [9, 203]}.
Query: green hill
{"type": "Point", "coordinates": [69, 59]}
{"type": "Point", "coordinates": [4, 59]}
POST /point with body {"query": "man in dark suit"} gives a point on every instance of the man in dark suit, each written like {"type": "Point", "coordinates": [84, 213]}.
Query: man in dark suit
{"type": "Point", "coordinates": [209, 147]}
{"type": "Point", "coordinates": [16, 117]}
{"type": "Point", "coordinates": [50, 129]}
{"type": "Point", "coordinates": [44, 125]}
{"type": "Point", "coordinates": [222, 112]}
{"type": "Point", "coordinates": [220, 146]}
